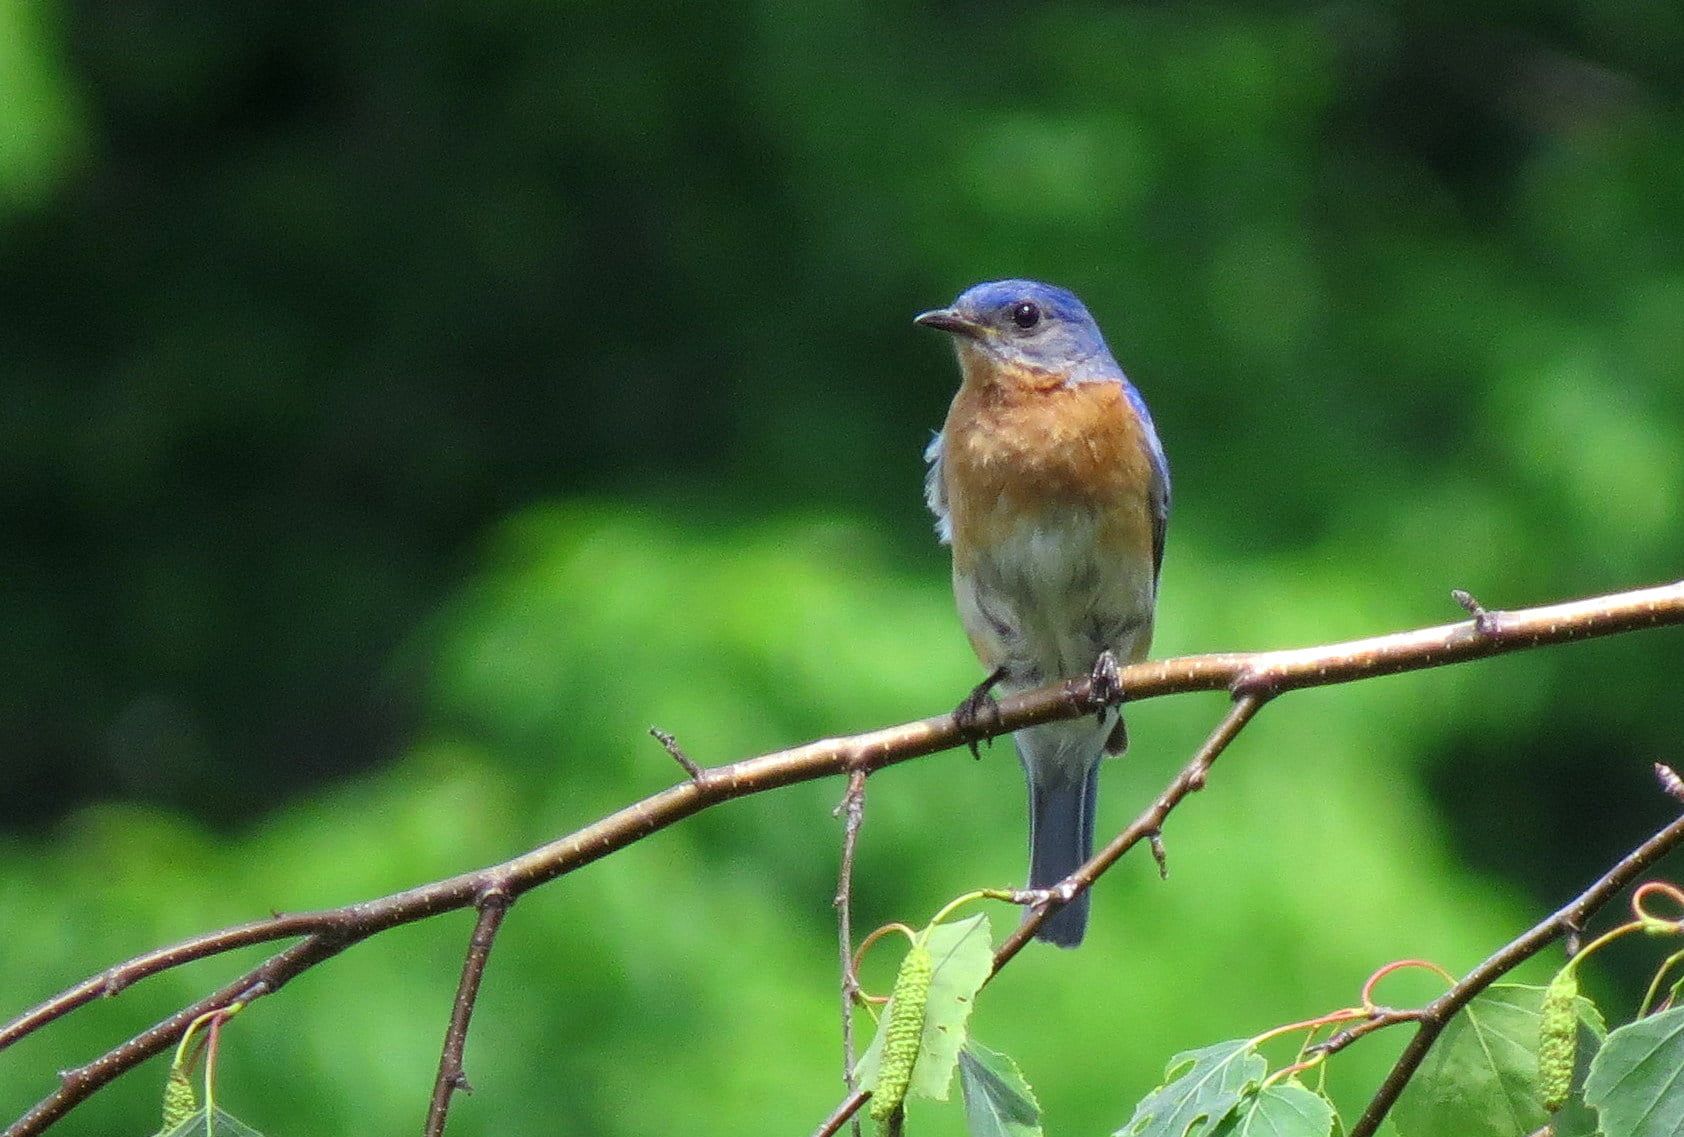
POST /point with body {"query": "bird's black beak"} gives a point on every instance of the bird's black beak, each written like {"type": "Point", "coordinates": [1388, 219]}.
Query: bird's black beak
{"type": "Point", "coordinates": [948, 320]}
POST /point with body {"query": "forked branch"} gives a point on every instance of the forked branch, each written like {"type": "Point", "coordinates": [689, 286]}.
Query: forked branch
{"type": "Point", "coordinates": [1251, 677]}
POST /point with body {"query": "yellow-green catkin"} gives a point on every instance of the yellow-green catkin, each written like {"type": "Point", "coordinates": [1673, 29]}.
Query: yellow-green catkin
{"type": "Point", "coordinates": [902, 1032]}
{"type": "Point", "coordinates": [1558, 1038]}
{"type": "Point", "coordinates": [180, 1102]}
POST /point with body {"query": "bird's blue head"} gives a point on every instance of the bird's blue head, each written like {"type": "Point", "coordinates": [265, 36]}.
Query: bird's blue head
{"type": "Point", "coordinates": [1027, 323]}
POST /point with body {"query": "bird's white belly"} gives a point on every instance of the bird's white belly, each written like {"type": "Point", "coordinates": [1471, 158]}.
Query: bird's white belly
{"type": "Point", "coordinates": [1044, 600]}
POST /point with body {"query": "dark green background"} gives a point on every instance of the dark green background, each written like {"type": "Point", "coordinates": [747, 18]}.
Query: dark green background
{"type": "Point", "coordinates": [404, 407]}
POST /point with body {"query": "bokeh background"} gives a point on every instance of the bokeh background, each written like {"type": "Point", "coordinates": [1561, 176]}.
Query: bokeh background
{"type": "Point", "coordinates": [404, 407]}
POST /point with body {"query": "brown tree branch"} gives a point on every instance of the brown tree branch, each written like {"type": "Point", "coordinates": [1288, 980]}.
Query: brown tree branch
{"type": "Point", "coordinates": [1253, 674]}
{"type": "Point", "coordinates": [115, 979]}
{"type": "Point", "coordinates": [1435, 1016]}
{"type": "Point", "coordinates": [493, 906]}
{"type": "Point", "coordinates": [77, 1085]}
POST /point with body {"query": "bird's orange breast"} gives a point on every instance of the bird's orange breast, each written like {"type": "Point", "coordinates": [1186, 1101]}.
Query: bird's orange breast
{"type": "Point", "coordinates": [1023, 447]}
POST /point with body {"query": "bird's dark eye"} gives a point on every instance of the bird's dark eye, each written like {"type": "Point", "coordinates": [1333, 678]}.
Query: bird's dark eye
{"type": "Point", "coordinates": [1026, 315]}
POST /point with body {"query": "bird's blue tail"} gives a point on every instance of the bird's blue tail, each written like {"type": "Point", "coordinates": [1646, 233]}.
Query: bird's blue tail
{"type": "Point", "coordinates": [1060, 840]}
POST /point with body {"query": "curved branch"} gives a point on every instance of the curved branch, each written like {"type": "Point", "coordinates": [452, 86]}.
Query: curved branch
{"type": "Point", "coordinates": [81, 1083]}
{"type": "Point", "coordinates": [115, 979]}
{"type": "Point", "coordinates": [1257, 675]}
{"type": "Point", "coordinates": [1435, 1016]}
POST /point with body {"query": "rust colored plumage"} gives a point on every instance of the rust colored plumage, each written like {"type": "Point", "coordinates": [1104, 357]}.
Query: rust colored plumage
{"type": "Point", "coordinates": [1049, 484]}
{"type": "Point", "coordinates": [1026, 446]}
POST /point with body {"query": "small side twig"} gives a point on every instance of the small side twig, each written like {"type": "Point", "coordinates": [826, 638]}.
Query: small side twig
{"type": "Point", "coordinates": [1485, 621]}
{"type": "Point", "coordinates": [852, 809]}
{"type": "Point", "coordinates": [494, 904]}
{"type": "Point", "coordinates": [1379, 1019]}
{"type": "Point", "coordinates": [1671, 784]}
{"type": "Point", "coordinates": [1156, 841]}
{"type": "Point", "coordinates": [670, 743]}
{"type": "Point", "coordinates": [839, 1116]}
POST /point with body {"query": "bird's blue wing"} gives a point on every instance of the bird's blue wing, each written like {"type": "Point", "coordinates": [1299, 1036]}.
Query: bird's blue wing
{"type": "Point", "coordinates": [1157, 494]}
{"type": "Point", "coordinates": [1159, 497]}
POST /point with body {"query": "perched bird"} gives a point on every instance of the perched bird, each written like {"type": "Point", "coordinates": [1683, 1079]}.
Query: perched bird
{"type": "Point", "coordinates": [1050, 485]}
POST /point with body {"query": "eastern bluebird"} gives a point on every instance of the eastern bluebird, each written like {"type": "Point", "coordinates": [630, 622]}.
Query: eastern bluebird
{"type": "Point", "coordinates": [1049, 483]}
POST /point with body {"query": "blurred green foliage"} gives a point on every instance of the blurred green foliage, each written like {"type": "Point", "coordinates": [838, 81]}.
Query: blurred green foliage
{"type": "Point", "coordinates": [691, 978]}
{"type": "Point", "coordinates": [403, 410]}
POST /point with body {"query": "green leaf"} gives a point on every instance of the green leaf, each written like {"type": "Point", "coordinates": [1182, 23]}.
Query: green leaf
{"type": "Point", "coordinates": [1636, 1082]}
{"type": "Point", "coordinates": [1201, 1087]}
{"type": "Point", "coordinates": [964, 955]}
{"type": "Point", "coordinates": [998, 1102]}
{"type": "Point", "coordinates": [1285, 1110]}
{"type": "Point", "coordinates": [1481, 1078]}
{"type": "Point", "coordinates": [213, 1123]}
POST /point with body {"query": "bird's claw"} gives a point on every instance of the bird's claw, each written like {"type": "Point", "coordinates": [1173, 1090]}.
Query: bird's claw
{"type": "Point", "coordinates": [1105, 683]}
{"type": "Point", "coordinates": [968, 716]}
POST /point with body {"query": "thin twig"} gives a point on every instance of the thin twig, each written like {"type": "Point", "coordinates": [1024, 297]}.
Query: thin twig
{"type": "Point", "coordinates": [852, 809]}
{"type": "Point", "coordinates": [1484, 620]}
{"type": "Point", "coordinates": [1147, 827]}
{"type": "Point", "coordinates": [1378, 1019]}
{"type": "Point", "coordinates": [670, 744]}
{"type": "Point", "coordinates": [1255, 673]}
{"type": "Point", "coordinates": [1434, 1017]}
{"type": "Point", "coordinates": [494, 904]}
{"type": "Point", "coordinates": [1159, 855]}
{"type": "Point", "coordinates": [839, 1117]}
{"type": "Point", "coordinates": [1670, 782]}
